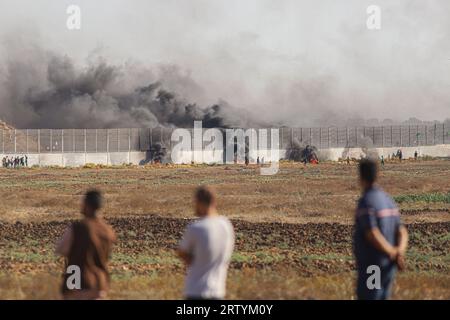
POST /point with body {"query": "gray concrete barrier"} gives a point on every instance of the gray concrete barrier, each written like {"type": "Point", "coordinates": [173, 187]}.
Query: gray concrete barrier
{"type": "Point", "coordinates": [81, 159]}
{"type": "Point", "coordinates": [334, 154]}
{"type": "Point", "coordinates": [139, 158]}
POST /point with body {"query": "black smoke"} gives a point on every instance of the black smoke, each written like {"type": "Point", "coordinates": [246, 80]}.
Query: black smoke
{"type": "Point", "coordinates": [47, 90]}
{"type": "Point", "coordinates": [301, 152]}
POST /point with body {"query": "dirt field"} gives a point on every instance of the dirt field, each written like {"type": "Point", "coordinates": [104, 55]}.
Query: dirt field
{"type": "Point", "coordinates": [293, 229]}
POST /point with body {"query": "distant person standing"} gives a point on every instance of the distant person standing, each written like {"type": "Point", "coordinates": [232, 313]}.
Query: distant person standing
{"type": "Point", "coordinates": [400, 155]}
{"type": "Point", "coordinates": [87, 244]}
{"type": "Point", "coordinates": [380, 240]}
{"type": "Point", "coordinates": [206, 249]}
{"type": "Point", "coordinates": [416, 155]}
{"type": "Point", "coordinates": [382, 161]}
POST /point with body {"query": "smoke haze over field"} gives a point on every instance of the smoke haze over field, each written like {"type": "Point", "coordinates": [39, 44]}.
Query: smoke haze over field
{"type": "Point", "coordinates": [230, 63]}
{"type": "Point", "coordinates": [46, 90]}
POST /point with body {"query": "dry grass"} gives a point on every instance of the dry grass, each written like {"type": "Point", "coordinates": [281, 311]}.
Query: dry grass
{"type": "Point", "coordinates": [244, 284]}
{"type": "Point", "coordinates": [297, 194]}
{"type": "Point", "coordinates": [272, 261]}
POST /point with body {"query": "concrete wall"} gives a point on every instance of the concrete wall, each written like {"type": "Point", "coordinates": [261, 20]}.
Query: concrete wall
{"type": "Point", "coordinates": [331, 154]}
{"type": "Point", "coordinates": [80, 159]}
{"type": "Point", "coordinates": [335, 154]}
{"type": "Point", "coordinates": [217, 156]}
{"type": "Point", "coordinates": [119, 158]}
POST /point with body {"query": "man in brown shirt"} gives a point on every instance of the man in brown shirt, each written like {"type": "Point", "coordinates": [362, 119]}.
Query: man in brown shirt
{"type": "Point", "coordinates": [86, 245]}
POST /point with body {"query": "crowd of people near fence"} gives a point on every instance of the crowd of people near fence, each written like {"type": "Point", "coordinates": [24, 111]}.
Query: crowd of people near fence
{"type": "Point", "coordinates": [15, 162]}
{"type": "Point", "coordinates": [380, 241]}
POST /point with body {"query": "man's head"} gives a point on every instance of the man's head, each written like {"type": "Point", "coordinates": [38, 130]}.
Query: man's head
{"type": "Point", "coordinates": [93, 201]}
{"type": "Point", "coordinates": [368, 173]}
{"type": "Point", "coordinates": [205, 201]}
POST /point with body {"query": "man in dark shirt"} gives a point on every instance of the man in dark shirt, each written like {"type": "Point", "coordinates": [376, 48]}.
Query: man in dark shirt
{"type": "Point", "coordinates": [380, 239]}
{"type": "Point", "coordinates": [87, 245]}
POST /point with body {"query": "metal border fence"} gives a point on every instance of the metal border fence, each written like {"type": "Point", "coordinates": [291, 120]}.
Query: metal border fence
{"type": "Point", "coordinates": [31, 141]}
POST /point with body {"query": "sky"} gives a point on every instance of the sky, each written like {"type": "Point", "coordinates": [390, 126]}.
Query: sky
{"type": "Point", "coordinates": [289, 61]}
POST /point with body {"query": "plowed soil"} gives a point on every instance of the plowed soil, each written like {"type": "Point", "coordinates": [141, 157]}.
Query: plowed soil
{"type": "Point", "coordinates": [293, 230]}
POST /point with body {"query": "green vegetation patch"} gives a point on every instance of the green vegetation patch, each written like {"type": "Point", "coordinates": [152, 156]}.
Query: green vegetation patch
{"type": "Point", "coordinates": [425, 197]}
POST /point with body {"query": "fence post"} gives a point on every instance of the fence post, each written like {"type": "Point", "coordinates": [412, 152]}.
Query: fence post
{"type": "Point", "coordinates": [129, 139]}
{"type": "Point", "coordinates": [118, 140]}
{"type": "Point", "coordinates": [107, 147]}
{"type": "Point", "coordinates": [391, 137]}
{"type": "Point", "coordinates": [39, 141]}
{"type": "Point", "coordinates": [328, 137]}
{"type": "Point", "coordinates": [150, 138]}
{"type": "Point", "coordinates": [129, 144]}
{"type": "Point", "coordinates": [434, 134]}
{"type": "Point", "coordinates": [409, 135]}
{"type": "Point", "coordinates": [292, 137]}
{"type": "Point", "coordinates": [62, 148]}
{"type": "Point", "coordinates": [373, 135]}
{"type": "Point", "coordinates": [320, 138]}
{"type": "Point", "coordinates": [139, 139]}
{"type": "Point", "coordinates": [346, 142]}
{"type": "Point", "coordinates": [337, 137]}
{"type": "Point", "coordinates": [417, 135]}
{"type": "Point", "coordinates": [401, 137]}
{"type": "Point", "coordinates": [85, 146]}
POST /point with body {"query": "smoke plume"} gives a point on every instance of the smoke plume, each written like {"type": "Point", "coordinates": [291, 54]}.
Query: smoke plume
{"type": "Point", "coordinates": [47, 90]}
{"type": "Point", "coordinates": [296, 63]}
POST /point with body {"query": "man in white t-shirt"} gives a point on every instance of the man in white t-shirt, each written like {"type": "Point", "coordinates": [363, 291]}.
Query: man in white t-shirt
{"type": "Point", "coordinates": [206, 249]}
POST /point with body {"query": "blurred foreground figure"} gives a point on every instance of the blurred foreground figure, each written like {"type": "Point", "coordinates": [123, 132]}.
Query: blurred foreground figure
{"type": "Point", "coordinates": [87, 244]}
{"type": "Point", "coordinates": [206, 249]}
{"type": "Point", "coordinates": [380, 239]}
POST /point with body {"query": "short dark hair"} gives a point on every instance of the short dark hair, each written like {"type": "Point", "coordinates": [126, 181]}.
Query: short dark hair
{"type": "Point", "coordinates": [368, 170]}
{"type": "Point", "coordinates": [94, 199]}
{"type": "Point", "coordinates": [205, 195]}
